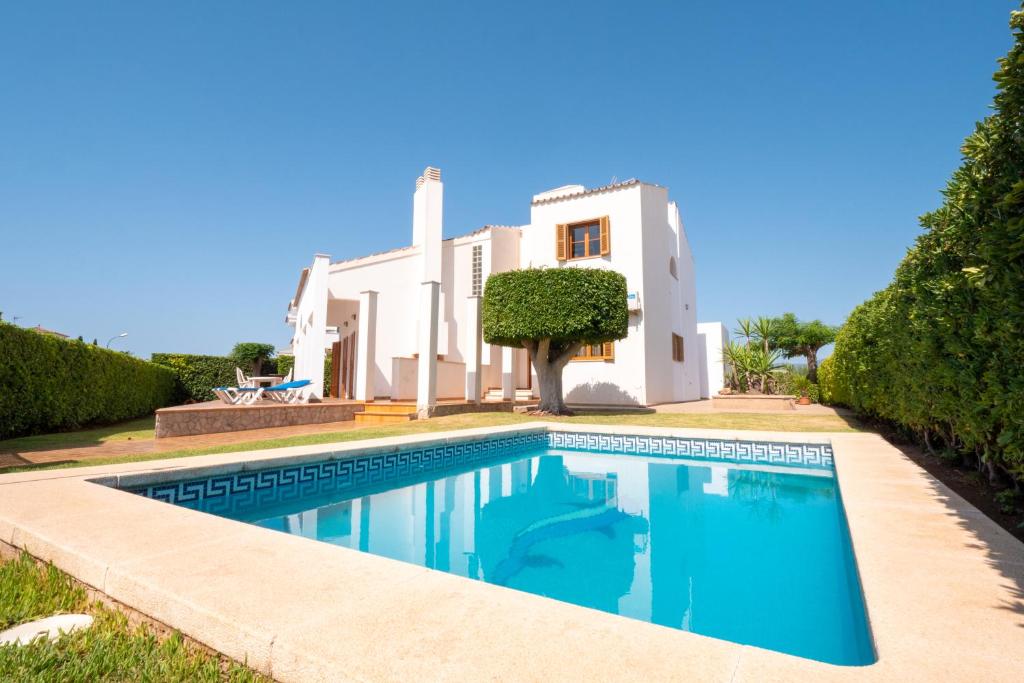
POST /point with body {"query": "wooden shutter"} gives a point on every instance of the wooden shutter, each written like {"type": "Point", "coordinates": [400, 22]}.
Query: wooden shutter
{"type": "Point", "coordinates": [608, 350]}
{"type": "Point", "coordinates": [606, 243]}
{"type": "Point", "coordinates": [561, 241]}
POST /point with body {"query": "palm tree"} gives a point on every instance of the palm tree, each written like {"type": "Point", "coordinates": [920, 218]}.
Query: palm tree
{"type": "Point", "coordinates": [745, 330]}
{"type": "Point", "coordinates": [764, 331]}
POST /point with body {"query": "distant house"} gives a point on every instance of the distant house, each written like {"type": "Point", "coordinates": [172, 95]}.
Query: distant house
{"type": "Point", "coordinates": [377, 314]}
{"type": "Point", "coordinates": [42, 330]}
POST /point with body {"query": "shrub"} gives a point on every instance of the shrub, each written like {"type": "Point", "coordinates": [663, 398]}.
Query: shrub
{"type": "Point", "coordinates": [829, 392]}
{"type": "Point", "coordinates": [52, 384]}
{"type": "Point", "coordinates": [251, 356]}
{"type": "Point", "coordinates": [285, 364]}
{"type": "Point", "coordinates": [796, 384]}
{"type": "Point", "coordinates": [938, 352]}
{"type": "Point", "coordinates": [197, 375]}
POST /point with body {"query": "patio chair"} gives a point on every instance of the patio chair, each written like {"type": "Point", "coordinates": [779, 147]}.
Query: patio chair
{"type": "Point", "coordinates": [243, 381]}
{"type": "Point", "coordinates": [238, 395]}
{"type": "Point", "coordinates": [289, 392]}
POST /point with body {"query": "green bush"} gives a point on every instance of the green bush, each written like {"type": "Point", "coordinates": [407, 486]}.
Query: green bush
{"type": "Point", "coordinates": [939, 351]}
{"type": "Point", "coordinates": [53, 384]}
{"type": "Point", "coordinates": [197, 375]}
{"type": "Point", "coordinates": [252, 356]}
{"type": "Point", "coordinates": [829, 393]}
{"type": "Point", "coordinates": [285, 364]}
{"type": "Point", "coordinates": [795, 384]}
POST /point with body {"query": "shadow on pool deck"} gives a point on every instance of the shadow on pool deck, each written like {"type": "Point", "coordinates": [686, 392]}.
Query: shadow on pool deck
{"type": "Point", "coordinates": [1005, 552]}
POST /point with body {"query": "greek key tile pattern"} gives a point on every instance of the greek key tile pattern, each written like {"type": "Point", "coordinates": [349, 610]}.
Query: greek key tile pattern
{"type": "Point", "coordinates": [235, 493]}
{"type": "Point", "coordinates": [333, 475]}
{"type": "Point", "coordinates": [809, 455]}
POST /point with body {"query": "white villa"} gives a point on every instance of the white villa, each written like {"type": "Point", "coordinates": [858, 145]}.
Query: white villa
{"type": "Point", "coordinates": [380, 316]}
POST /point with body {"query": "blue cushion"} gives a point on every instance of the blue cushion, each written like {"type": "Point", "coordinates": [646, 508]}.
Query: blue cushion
{"type": "Point", "coordinates": [290, 385]}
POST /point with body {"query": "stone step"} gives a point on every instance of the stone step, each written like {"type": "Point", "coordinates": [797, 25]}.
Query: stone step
{"type": "Point", "coordinates": [394, 407]}
{"type": "Point", "coordinates": [369, 417]}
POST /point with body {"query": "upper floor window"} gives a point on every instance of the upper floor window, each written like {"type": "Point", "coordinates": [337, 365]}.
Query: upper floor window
{"type": "Point", "coordinates": [585, 239]}
{"type": "Point", "coordinates": [672, 270]}
{"type": "Point", "coordinates": [478, 269]}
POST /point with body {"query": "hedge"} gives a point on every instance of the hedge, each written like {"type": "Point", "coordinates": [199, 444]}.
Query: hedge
{"type": "Point", "coordinates": [940, 351]}
{"type": "Point", "coordinates": [197, 375]}
{"type": "Point", "coordinates": [51, 384]}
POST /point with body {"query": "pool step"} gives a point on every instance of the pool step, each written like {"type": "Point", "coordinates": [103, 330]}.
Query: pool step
{"type": "Point", "coordinates": [384, 413]}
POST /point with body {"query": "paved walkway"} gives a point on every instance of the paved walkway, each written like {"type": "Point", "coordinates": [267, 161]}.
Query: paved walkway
{"type": "Point", "coordinates": [704, 406]}
{"type": "Point", "coordinates": [173, 443]}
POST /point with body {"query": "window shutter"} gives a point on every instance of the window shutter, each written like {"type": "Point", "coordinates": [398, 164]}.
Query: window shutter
{"type": "Point", "coordinates": [608, 350]}
{"type": "Point", "coordinates": [561, 241]}
{"type": "Point", "coordinates": [606, 244]}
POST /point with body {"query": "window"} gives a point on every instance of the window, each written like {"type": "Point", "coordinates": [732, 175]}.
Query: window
{"type": "Point", "coordinates": [672, 267]}
{"type": "Point", "coordinates": [478, 269]}
{"type": "Point", "coordinates": [678, 352]}
{"type": "Point", "coordinates": [604, 351]}
{"type": "Point", "coordinates": [585, 239]}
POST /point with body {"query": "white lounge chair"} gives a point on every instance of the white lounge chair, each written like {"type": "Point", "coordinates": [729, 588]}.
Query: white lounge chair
{"type": "Point", "coordinates": [290, 392]}
{"type": "Point", "coordinates": [235, 396]}
{"type": "Point", "coordinates": [243, 381]}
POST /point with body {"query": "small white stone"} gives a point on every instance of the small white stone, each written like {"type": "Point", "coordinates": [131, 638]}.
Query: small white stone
{"type": "Point", "coordinates": [50, 628]}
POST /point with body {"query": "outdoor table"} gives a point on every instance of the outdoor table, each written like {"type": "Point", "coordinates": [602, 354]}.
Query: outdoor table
{"type": "Point", "coordinates": [266, 380]}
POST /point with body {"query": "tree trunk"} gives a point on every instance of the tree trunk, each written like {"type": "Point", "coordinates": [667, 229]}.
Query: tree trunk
{"type": "Point", "coordinates": [549, 363]}
{"type": "Point", "coordinates": [812, 365]}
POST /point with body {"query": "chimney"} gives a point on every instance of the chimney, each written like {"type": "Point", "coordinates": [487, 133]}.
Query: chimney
{"type": "Point", "coordinates": [427, 205]}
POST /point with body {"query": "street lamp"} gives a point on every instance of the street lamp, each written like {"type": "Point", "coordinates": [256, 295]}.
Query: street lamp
{"type": "Point", "coordinates": [109, 341]}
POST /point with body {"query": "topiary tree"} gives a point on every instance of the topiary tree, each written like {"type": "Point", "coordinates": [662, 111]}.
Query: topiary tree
{"type": "Point", "coordinates": [251, 355]}
{"type": "Point", "coordinates": [552, 313]}
{"type": "Point", "coordinates": [796, 338]}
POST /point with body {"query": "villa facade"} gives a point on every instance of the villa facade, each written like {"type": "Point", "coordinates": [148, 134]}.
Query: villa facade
{"type": "Point", "coordinates": [379, 316]}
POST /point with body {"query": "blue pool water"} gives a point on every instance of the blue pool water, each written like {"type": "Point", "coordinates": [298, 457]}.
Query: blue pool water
{"type": "Point", "coordinates": [749, 554]}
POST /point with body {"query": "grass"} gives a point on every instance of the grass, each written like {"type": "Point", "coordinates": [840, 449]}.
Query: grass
{"type": "Point", "coordinates": [142, 428]}
{"type": "Point", "coordinates": [111, 650]}
{"type": "Point", "coordinates": [735, 421]}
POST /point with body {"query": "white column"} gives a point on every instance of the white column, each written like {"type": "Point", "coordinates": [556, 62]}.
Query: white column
{"type": "Point", "coordinates": [366, 345]}
{"type": "Point", "coordinates": [426, 368]}
{"type": "Point", "coordinates": [472, 349]}
{"type": "Point", "coordinates": [508, 373]}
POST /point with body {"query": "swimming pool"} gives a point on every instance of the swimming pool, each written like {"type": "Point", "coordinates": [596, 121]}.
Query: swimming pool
{"type": "Point", "coordinates": [739, 540]}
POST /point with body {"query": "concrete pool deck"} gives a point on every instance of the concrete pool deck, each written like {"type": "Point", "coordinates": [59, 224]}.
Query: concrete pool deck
{"type": "Point", "coordinates": [943, 584]}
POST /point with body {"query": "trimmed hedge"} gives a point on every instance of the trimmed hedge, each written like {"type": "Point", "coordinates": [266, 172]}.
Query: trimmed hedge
{"type": "Point", "coordinates": [561, 304]}
{"type": "Point", "coordinates": [940, 351]}
{"type": "Point", "coordinates": [51, 384]}
{"type": "Point", "coordinates": [197, 375]}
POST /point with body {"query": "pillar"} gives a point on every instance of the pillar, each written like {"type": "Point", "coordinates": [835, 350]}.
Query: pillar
{"type": "Point", "coordinates": [366, 346]}
{"type": "Point", "coordinates": [426, 368]}
{"type": "Point", "coordinates": [472, 347]}
{"type": "Point", "coordinates": [508, 373]}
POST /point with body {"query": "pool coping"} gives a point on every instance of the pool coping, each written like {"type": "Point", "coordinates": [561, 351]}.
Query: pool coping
{"type": "Point", "coordinates": [943, 584]}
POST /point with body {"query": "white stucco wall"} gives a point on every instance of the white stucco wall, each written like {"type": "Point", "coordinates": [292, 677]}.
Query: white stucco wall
{"type": "Point", "coordinates": [713, 338]}
{"type": "Point", "coordinates": [396, 279]}
{"type": "Point", "coordinates": [310, 337]}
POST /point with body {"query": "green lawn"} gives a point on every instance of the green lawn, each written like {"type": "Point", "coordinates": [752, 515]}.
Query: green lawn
{"type": "Point", "coordinates": [111, 650]}
{"type": "Point", "coordinates": [742, 421]}
{"type": "Point", "coordinates": [142, 428]}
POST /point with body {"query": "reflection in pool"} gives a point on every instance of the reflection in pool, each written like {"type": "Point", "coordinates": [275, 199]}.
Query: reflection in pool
{"type": "Point", "coordinates": [753, 556]}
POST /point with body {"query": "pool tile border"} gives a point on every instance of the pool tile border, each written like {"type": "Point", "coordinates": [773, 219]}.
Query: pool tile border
{"type": "Point", "coordinates": [362, 468]}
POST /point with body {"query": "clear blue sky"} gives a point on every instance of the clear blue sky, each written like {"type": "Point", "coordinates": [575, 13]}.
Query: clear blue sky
{"type": "Point", "coordinates": [167, 168]}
